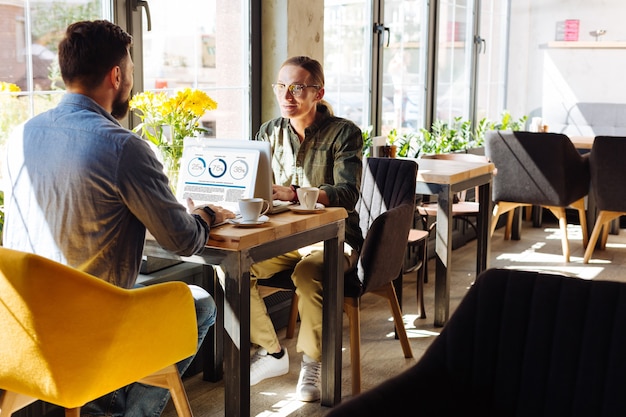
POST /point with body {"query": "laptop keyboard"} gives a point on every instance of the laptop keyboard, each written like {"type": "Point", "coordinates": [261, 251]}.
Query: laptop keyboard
{"type": "Point", "coordinates": [279, 206]}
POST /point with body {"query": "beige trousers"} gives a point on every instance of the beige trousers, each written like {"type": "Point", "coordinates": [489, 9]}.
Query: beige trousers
{"type": "Point", "coordinates": [308, 266]}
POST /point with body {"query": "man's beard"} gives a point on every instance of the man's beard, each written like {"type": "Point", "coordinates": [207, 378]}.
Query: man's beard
{"type": "Point", "coordinates": [120, 107]}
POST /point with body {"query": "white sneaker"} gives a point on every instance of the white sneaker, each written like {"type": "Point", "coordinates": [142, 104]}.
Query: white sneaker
{"type": "Point", "coordinates": [308, 388]}
{"type": "Point", "coordinates": [263, 366]}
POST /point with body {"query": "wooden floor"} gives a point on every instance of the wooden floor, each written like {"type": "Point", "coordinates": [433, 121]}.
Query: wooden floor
{"type": "Point", "coordinates": [538, 249]}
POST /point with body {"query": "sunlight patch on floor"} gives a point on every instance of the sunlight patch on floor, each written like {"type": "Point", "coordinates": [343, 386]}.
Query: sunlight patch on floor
{"type": "Point", "coordinates": [615, 245]}
{"type": "Point", "coordinates": [535, 258]}
{"type": "Point", "coordinates": [411, 330]}
{"type": "Point", "coordinates": [283, 407]}
{"type": "Point", "coordinates": [530, 256]}
{"type": "Point", "coordinates": [418, 333]}
{"type": "Point", "coordinates": [574, 233]}
{"type": "Point", "coordinates": [574, 271]}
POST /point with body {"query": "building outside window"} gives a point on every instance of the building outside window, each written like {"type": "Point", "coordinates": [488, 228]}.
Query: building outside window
{"type": "Point", "coordinates": [196, 43]}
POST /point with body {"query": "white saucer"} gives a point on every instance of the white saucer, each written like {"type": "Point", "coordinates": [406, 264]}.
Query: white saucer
{"type": "Point", "coordinates": [240, 223]}
{"type": "Point", "coordinates": [301, 210]}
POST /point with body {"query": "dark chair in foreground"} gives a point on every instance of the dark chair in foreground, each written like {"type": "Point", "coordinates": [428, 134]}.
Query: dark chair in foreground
{"type": "Point", "coordinates": [608, 185]}
{"type": "Point", "coordinates": [541, 169]}
{"type": "Point", "coordinates": [68, 338]}
{"type": "Point", "coordinates": [519, 344]}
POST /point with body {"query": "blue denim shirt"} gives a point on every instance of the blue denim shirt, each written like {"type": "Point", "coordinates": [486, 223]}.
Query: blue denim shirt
{"type": "Point", "coordinates": [80, 189]}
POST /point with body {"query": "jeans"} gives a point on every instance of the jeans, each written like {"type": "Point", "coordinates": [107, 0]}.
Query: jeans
{"type": "Point", "coordinates": [139, 400]}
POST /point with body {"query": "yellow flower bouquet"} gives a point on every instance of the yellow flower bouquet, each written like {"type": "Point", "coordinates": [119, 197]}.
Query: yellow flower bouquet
{"type": "Point", "coordinates": [8, 87]}
{"type": "Point", "coordinates": [167, 120]}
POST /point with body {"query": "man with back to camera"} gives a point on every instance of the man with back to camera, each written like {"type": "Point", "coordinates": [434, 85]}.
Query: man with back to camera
{"type": "Point", "coordinates": [82, 190]}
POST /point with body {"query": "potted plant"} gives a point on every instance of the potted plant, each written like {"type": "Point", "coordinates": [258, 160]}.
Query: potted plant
{"type": "Point", "coordinates": [167, 121]}
{"type": "Point", "coordinates": [444, 137]}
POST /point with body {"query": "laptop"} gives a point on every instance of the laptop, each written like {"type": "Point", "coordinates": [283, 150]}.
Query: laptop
{"type": "Point", "coordinates": [221, 171]}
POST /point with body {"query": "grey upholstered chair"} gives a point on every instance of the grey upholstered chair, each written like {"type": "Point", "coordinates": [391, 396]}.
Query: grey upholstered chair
{"type": "Point", "coordinates": [520, 344]}
{"type": "Point", "coordinates": [542, 169]}
{"type": "Point", "coordinates": [386, 209]}
{"type": "Point", "coordinates": [608, 185]}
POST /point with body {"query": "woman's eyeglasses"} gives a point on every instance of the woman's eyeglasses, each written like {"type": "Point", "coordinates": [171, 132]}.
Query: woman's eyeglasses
{"type": "Point", "coordinates": [295, 90]}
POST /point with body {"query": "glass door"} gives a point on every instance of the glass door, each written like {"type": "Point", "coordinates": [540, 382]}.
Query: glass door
{"type": "Point", "coordinates": [454, 60]}
{"type": "Point", "coordinates": [471, 75]}
{"type": "Point", "coordinates": [404, 66]}
{"type": "Point", "coordinates": [491, 46]}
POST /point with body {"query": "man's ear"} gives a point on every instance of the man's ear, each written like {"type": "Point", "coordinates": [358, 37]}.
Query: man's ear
{"type": "Point", "coordinates": [115, 77]}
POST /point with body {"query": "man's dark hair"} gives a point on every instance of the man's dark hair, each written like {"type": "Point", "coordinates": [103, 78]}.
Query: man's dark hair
{"type": "Point", "coordinates": [90, 49]}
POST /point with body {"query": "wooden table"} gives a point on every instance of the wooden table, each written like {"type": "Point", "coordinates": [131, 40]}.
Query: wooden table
{"type": "Point", "coordinates": [445, 178]}
{"type": "Point", "coordinates": [235, 249]}
{"type": "Point", "coordinates": [582, 142]}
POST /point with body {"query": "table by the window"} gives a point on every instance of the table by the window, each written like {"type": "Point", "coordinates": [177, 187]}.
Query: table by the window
{"type": "Point", "coordinates": [445, 178]}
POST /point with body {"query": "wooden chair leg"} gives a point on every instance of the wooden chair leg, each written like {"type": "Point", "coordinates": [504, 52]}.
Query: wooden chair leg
{"type": "Point", "coordinates": [399, 322]}
{"type": "Point", "coordinates": [293, 317]}
{"type": "Point", "coordinates": [72, 412]}
{"type": "Point", "coordinates": [605, 235]}
{"type": "Point", "coordinates": [528, 213]}
{"type": "Point", "coordinates": [601, 226]}
{"type": "Point", "coordinates": [499, 209]}
{"type": "Point", "coordinates": [582, 218]}
{"type": "Point", "coordinates": [352, 308]}
{"type": "Point", "coordinates": [10, 402]}
{"type": "Point", "coordinates": [169, 378]}
{"type": "Point", "coordinates": [507, 207]}
{"type": "Point", "coordinates": [559, 213]}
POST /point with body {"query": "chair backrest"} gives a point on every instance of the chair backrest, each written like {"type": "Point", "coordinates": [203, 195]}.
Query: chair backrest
{"type": "Point", "coordinates": [608, 172]}
{"type": "Point", "coordinates": [520, 344]}
{"type": "Point", "coordinates": [386, 208]}
{"type": "Point", "coordinates": [68, 337]}
{"type": "Point", "coordinates": [536, 168]}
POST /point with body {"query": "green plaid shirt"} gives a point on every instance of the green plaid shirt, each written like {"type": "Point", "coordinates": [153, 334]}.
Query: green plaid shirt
{"type": "Point", "coordinates": [330, 157]}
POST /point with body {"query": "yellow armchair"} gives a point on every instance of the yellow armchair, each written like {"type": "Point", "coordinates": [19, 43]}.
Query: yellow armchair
{"type": "Point", "coordinates": [67, 337]}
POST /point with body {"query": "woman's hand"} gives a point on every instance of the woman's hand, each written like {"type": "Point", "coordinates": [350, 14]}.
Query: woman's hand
{"type": "Point", "coordinates": [280, 192]}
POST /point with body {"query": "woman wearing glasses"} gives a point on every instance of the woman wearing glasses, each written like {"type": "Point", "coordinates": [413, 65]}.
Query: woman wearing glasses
{"type": "Point", "coordinates": [310, 147]}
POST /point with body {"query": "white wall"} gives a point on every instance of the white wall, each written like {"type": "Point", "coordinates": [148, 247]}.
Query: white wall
{"type": "Point", "coordinates": [545, 81]}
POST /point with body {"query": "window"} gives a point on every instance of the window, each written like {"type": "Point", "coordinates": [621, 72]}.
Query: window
{"type": "Point", "coordinates": [201, 44]}
{"type": "Point", "coordinates": [195, 43]}
{"type": "Point", "coordinates": [387, 69]}
{"type": "Point", "coordinates": [347, 59]}
{"type": "Point", "coordinates": [29, 36]}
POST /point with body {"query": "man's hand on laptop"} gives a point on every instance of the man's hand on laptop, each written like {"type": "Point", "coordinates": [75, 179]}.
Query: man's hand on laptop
{"type": "Point", "coordinates": [221, 214]}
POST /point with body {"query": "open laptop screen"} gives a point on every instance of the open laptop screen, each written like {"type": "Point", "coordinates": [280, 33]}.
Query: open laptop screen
{"type": "Point", "coordinates": [216, 174]}
{"type": "Point", "coordinates": [262, 185]}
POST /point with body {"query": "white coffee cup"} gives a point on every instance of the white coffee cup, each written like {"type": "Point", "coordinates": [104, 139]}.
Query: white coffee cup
{"type": "Point", "coordinates": [251, 209]}
{"type": "Point", "coordinates": [307, 196]}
